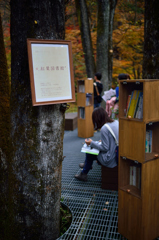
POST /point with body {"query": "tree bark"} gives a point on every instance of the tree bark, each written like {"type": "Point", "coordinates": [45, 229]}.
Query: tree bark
{"type": "Point", "coordinates": [37, 132]}
{"type": "Point", "coordinates": [110, 46]}
{"type": "Point", "coordinates": [106, 9]}
{"type": "Point", "coordinates": [151, 43]}
{"type": "Point", "coordinates": [82, 15]}
{"type": "Point", "coordinates": [5, 161]}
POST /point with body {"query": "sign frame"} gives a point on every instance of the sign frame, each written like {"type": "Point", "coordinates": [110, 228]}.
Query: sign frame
{"type": "Point", "coordinates": [67, 82]}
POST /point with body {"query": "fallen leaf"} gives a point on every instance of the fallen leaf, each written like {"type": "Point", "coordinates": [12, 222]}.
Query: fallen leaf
{"type": "Point", "coordinates": [105, 209]}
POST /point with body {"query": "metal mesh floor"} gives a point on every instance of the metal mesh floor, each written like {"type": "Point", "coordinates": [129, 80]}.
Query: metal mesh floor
{"type": "Point", "coordinates": [94, 210]}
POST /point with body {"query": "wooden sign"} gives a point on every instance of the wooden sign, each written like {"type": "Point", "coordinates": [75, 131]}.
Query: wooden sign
{"type": "Point", "coordinates": [51, 71]}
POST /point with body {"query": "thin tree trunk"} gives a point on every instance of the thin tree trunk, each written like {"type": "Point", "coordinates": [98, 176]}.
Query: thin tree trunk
{"type": "Point", "coordinates": [110, 47]}
{"type": "Point", "coordinates": [37, 132]}
{"type": "Point", "coordinates": [151, 40]}
{"type": "Point", "coordinates": [82, 14]}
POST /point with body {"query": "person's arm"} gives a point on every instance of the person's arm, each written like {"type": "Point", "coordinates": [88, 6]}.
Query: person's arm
{"type": "Point", "coordinates": [100, 87]}
{"type": "Point", "coordinates": [104, 146]}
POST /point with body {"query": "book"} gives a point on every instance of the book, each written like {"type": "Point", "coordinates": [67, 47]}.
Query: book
{"type": "Point", "coordinates": [133, 103]}
{"type": "Point", "coordinates": [150, 141]}
{"type": "Point", "coordinates": [81, 112]}
{"type": "Point", "coordinates": [147, 142]}
{"type": "Point", "coordinates": [140, 112]}
{"type": "Point", "coordinates": [109, 94]}
{"type": "Point", "coordinates": [128, 102]}
{"type": "Point", "coordinates": [139, 107]}
{"type": "Point", "coordinates": [131, 175]}
{"type": "Point", "coordinates": [134, 176]}
{"type": "Point", "coordinates": [81, 88]}
{"type": "Point", "coordinates": [88, 99]}
{"type": "Point", "coordinates": [140, 93]}
{"type": "Point", "coordinates": [138, 177]}
{"type": "Point", "coordinates": [87, 149]}
{"type": "Point", "coordinates": [136, 102]}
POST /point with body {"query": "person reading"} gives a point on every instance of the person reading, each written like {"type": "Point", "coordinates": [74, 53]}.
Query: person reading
{"type": "Point", "coordinates": [107, 147]}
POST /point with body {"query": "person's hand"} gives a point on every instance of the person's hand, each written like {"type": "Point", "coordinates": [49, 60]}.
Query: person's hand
{"type": "Point", "coordinates": [88, 141]}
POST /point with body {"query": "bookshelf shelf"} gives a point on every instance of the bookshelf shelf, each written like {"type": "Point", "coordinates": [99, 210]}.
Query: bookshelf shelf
{"type": "Point", "coordinates": [134, 191]}
{"type": "Point", "coordinates": [132, 119]}
{"type": "Point", "coordinates": [151, 156]}
{"type": "Point", "coordinates": [85, 107]}
{"type": "Point", "coordinates": [138, 205]}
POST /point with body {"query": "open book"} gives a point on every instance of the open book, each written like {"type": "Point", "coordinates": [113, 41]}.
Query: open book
{"type": "Point", "coordinates": [87, 149]}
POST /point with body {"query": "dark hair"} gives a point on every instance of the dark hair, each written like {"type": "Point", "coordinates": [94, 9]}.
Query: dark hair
{"type": "Point", "coordinates": [100, 117]}
{"type": "Point", "coordinates": [98, 75]}
{"type": "Point", "coordinates": [123, 76]}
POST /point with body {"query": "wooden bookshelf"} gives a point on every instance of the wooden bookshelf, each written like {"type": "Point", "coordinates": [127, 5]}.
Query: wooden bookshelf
{"type": "Point", "coordinates": [138, 199]}
{"type": "Point", "coordinates": [85, 103]}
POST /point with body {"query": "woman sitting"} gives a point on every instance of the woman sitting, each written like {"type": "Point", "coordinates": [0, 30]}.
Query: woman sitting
{"type": "Point", "coordinates": [107, 154]}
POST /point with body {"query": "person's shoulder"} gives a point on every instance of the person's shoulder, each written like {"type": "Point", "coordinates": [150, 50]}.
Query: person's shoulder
{"type": "Point", "coordinates": [116, 123]}
{"type": "Point", "coordinates": [100, 83]}
{"type": "Point", "coordinates": [104, 128]}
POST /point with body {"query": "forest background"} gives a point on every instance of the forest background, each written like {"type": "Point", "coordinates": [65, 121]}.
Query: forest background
{"type": "Point", "coordinates": [128, 37]}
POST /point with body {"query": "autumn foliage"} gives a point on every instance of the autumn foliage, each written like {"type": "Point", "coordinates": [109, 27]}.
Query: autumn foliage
{"type": "Point", "coordinates": [128, 37]}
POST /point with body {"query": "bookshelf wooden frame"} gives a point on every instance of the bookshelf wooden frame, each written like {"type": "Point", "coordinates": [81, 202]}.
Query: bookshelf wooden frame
{"type": "Point", "coordinates": [138, 209]}
{"type": "Point", "coordinates": [85, 125]}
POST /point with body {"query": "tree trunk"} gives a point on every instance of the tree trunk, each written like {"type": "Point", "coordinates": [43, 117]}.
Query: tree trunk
{"type": "Point", "coordinates": [151, 43]}
{"type": "Point", "coordinates": [5, 163]}
{"type": "Point", "coordinates": [104, 61]}
{"type": "Point", "coordinates": [110, 41]}
{"type": "Point", "coordinates": [82, 15]}
{"type": "Point", "coordinates": [106, 9]}
{"type": "Point", "coordinates": [37, 132]}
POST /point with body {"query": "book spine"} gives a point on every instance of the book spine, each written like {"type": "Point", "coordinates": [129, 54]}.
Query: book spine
{"type": "Point", "coordinates": [137, 103]}
{"type": "Point", "coordinates": [147, 142]}
{"type": "Point", "coordinates": [137, 111]}
{"type": "Point", "coordinates": [138, 177]}
{"type": "Point", "coordinates": [150, 141]}
{"type": "Point", "coordinates": [129, 103]}
{"type": "Point", "coordinates": [132, 104]}
{"type": "Point", "coordinates": [82, 112]}
{"type": "Point", "coordinates": [131, 175]}
{"type": "Point", "coordinates": [141, 109]}
{"type": "Point", "coordinates": [134, 176]}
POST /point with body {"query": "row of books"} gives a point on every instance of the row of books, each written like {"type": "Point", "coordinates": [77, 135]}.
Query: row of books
{"type": "Point", "coordinates": [81, 88]}
{"type": "Point", "coordinates": [135, 104]}
{"type": "Point", "coordinates": [148, 144]}
{"type": "Point", "coordinates": [135, 176]}
{"type": "Point", "coordinates": [88, 99]}
{"type": "Point", "coordinates": [81, 112]}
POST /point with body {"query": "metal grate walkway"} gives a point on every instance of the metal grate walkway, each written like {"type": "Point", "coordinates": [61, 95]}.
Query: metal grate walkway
{"type": "Point", "coordinates": [94, 210]}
